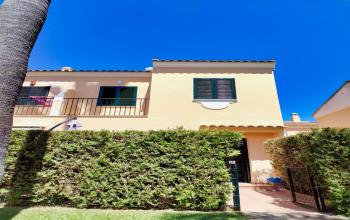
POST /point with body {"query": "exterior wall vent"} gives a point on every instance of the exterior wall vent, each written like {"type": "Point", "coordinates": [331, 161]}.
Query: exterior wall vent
{"type": "Point", "coordinates": [67, 69]}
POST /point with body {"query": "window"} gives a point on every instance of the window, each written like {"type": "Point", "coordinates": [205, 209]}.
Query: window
{"type": "Point", "coordinates": [33, 95]}
{"type": "Point", "coordinates": [214, 89]}
{"type": "Point", "coordinates": [117, 96]}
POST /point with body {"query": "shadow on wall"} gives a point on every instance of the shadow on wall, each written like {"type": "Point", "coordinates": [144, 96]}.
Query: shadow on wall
{"type": "Point", "coordinates": [55, 90]}
{"type": "Point", "coordinates": [21, 175]}
{"type": "Point", "coordinates": [148, 98]}
{"type": "Point", "coordinates": [260, 176]}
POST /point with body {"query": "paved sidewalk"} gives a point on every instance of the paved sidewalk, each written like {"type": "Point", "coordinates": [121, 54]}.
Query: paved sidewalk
{"type": "Point", "coordinates": [272, 205]}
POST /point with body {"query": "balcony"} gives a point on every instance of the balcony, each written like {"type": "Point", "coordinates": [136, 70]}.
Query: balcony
{"type": "Point", "coordinates": [34, 105]}
{"type": "Point", "coordinates": [93, 107]}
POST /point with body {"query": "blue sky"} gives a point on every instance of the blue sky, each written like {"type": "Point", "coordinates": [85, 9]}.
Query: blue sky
{"type": "Point", "coordinates": [309, 39]}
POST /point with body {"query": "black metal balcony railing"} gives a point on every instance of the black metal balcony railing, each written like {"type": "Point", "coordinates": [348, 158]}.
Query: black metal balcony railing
{"type": "Point", "coordinates": [34, 105]}
{"type": "Point", "coordinates": [122, 107]}
{"type": "Point", "coordinates": [42, 105]}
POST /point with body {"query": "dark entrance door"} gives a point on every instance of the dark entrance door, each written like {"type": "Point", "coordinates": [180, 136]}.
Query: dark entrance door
{"type": "Point", "coordinates": [242, 162]}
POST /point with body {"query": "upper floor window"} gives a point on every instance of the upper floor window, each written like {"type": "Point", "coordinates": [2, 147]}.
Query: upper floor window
{"type": "Point", "coordinates": [117, 96]}
{"type": "Point", "coordinates": [30, 95]}
{"type": "Point", "coordinates": [215, 89]}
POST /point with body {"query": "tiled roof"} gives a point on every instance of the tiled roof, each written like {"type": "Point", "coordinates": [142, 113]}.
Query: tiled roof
{"type": "Point", "coordinates": [160, 60]}
{"type": "Point", "coordinates": [87, 71]}
{"type": "Point", "coordinates": [300, 124]}
{"type": "Point", "coordinates": [218, 61]}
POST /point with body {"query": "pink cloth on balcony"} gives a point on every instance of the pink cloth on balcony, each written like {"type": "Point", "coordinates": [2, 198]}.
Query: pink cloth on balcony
{"type": "Point", "coordinates": [43, 100]}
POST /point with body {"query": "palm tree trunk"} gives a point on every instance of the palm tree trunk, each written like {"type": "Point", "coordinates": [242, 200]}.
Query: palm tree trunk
{"type": "Point", "coordinates": [20, 24]}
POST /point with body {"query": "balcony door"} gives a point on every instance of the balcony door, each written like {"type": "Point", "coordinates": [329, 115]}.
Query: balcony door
{"type": "Point", "coordinates": [117, 96]}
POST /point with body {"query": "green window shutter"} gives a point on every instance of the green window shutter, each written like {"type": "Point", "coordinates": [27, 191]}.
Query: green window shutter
{"type": "Point", "coordinates": [39, 91]}
{"type": "Point", "coordinates": [214, 88]}
{"type": "Point", "coordinates": [127, 96]}
{"type": "Point", "coordinates": [233, 87]}
{"type": "Point", "coordinates": [27, 91]}
{"type": "Point", "coordinates": [100, 100]}
{"type": "Point", "coordinates": [203, 89]}
{"type": "Point", "coordinates": [195, 82]}
{"type": "Point", "coordinates": [134, 97]}
{"type": "Point", "coordinates": [117, 96]}
{"type": "Point", "coordinates": [107, 96]}
{"type": "Point", "coordinates": [100, 94]}
{"type": "Point", "coordinates": [225, 89]}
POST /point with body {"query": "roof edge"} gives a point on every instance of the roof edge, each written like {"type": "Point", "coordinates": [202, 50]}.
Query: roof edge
{"type": "Point", "coordinates": [58, 70]}
{"type": "Point", "coordinates": [329, 98]}
{"type": "Point", "coordinates": [216, 61]}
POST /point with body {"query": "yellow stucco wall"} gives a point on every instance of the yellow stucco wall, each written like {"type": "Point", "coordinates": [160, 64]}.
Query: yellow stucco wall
{"type": "Point", "coordinates": [75, 86]}
{"type": "Point", "coordinates": [338, 119]}
{"type": "Point", "coordinates": [170, 95]}
{"type": "Point", "coordinates": [172, 102]}
{"type": "Point", "coordinates": [259, 159]}
{"type": "Point", "coordinates": [260, 164]}
{"type": "Point", "coordinates": [256, 112]}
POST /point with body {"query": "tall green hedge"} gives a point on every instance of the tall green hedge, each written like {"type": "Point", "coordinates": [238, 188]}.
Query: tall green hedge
{"type": "Point", "coordinates": [326, 152]}
{"type": "Point", "coordinates": [158, 169]}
